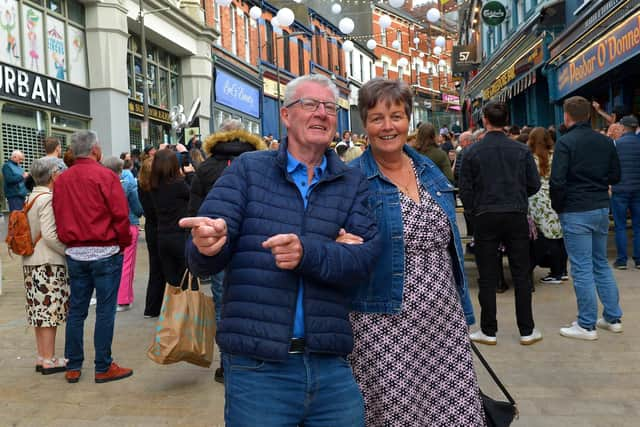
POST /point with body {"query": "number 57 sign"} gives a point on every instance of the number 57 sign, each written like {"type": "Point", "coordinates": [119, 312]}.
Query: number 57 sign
{"type": "Point", "coordinates": [464, 59]}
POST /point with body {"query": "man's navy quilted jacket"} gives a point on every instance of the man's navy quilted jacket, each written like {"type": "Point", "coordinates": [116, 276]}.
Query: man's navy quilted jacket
{"type": "Point", "coordinates": [257, 199]}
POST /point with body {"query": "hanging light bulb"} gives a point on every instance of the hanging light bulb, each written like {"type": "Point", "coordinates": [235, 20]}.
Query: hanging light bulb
{"type": "Point", "coordinates": [440, 41]}
{"type": "Point", "coordinates": [285, 17]}
{"type": "Point", "coordinates": [347, 46]}
{"type": "Point", "coordinates": [433, 15]}
{"type": "Point", "coordinates": [336, 8]}
{"type": "Point", "coordinates": [396, 3]}
{"type": "Point", "coordinates": [437, 50]}
{"type": "Point", "coordinates": [255, 12]}
{"type": "Point", "coordinates": [416, 40]}
{"type": "Point", "coordinates": [395, 44]}
{"type": "Point", "coordinates": [384, 21]}
{"type": "Point", "coordinates": [346, 25]}
{"type": "Point", "coordinates": [371, 44]}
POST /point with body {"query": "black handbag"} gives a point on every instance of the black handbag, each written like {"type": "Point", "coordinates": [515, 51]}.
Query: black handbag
{"type": "Point", "coordinates": [497, 413]}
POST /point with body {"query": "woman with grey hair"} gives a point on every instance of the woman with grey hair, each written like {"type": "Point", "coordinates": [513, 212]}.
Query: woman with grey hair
{"type": "Point", "coordinates": [130, 187]}
{"type": "Point", "coordinates": [45, 271]}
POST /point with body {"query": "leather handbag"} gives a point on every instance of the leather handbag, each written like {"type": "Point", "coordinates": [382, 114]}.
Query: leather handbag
{"type": "Point", "coordinates": [497, 413]}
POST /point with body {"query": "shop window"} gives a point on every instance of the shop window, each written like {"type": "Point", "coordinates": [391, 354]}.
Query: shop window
{"type": "Point", "coordinates": [69, 122]}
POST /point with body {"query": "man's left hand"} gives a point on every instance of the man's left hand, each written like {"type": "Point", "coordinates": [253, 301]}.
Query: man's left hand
{"type": "Point", "coordinates": [286, 248]}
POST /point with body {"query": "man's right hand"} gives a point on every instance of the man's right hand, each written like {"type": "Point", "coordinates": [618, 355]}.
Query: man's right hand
{"type": "Point", "coordinates": [208, 235]}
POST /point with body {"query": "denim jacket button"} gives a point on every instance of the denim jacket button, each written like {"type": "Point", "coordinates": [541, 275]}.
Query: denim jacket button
{"type": "Point", "coordinates": [438, 193]}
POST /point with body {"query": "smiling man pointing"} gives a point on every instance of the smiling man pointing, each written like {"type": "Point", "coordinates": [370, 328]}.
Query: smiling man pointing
{"type": "Point", "coordinates": [284, 225]}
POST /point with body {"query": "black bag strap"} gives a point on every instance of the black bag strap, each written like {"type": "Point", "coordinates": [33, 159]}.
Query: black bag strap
{"type": "Point", "coordinates": [493, 374]}
{"type": "Point", "coordinates": [189, 281]}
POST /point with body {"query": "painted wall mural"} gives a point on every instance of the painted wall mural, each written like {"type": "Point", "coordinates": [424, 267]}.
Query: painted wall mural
{"type": "Point", "coordinates": [56, 49]}
{"type": "Point", "coordinates": [33, 39]}
{"type": "Point", "coordinates": [76, 48]}
{"type": "Point", "coordinates": [9, 32]}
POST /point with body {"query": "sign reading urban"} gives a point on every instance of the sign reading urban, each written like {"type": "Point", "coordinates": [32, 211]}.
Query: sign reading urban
{"type": "Point", "coordinates": [617, 46]}
{"type": "Point", "coordinates": [493, 13]}
{"type": "Point", "coordinates": [28, 87]}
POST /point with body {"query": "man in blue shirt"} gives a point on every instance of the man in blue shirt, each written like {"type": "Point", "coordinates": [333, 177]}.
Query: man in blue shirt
{"type": "Point", "coordinates": [284, 225]}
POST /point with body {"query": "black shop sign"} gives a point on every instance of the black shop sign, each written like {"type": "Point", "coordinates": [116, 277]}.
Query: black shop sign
{"type": "Point", "coordinates": [27, 87]}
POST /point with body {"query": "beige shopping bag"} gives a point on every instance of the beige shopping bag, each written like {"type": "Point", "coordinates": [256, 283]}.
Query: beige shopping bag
{"type": "Point", "coordinates": [186, 327]}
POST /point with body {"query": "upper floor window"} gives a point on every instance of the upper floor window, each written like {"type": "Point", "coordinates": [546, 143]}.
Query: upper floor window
{"type": "Point", "coordinates": [301, 61]}
{"type": "Point", "coordinates": [361, 67]}
{"type": "Point", "coordinates": [216, 18]}
{"type": "Point", "coordinates": [247, 38]}
{"type": "Point", "coordinates": [400, 72]}
{"type": "Point", "coordinates": [286, 45]}
{"type": "Point", "coordinates": [234, 36]}
{"type": "Point", "coordinates": [351, 64]}
{"type": "Point", "coordinates": [385, 70]}
{"type": "Point", "coordinates": [330, 53]}
{"type": "Point", "coordinates": [162, 74]}
{"type": "Point", "coordinates": [520, 11]}
{"type": "Point", "coordinates": [269, 43]}
{"type": "Point", "coordinates": [399, 38]}
{"type": "Point", "coordinates": [383, 37]}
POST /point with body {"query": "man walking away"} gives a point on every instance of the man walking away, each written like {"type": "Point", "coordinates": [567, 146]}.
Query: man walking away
{"type": "Point", "coordinates": [92, 217]}
{"type": "Point", "coordinates": [625, 196]}
{"type": "Point", "coordinates": [585, 163]}
{"type": "Point", "coordinates": [496, 179]}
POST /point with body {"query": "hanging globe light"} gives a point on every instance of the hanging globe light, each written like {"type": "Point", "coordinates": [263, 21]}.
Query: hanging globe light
{"type": "Point", "coordinates": [285, 17]}
{"type": "Point", "coordinates": [336, 8]}
{"type": "Point", "coordinates": [396, 3]}
{"type": "Point", "coordinates": [437, 50]}
{"type": "Point", "coordinates": [255, 12]}
{"type": "Point", "coordinates": [395, 44]}
{"type": "Point", "coordinates": [433, 15]}
{"type": "Point", "coordinates": [224, 3]}
{"type": "Point", "coordinates": [384, 21]}
{"type": "Point", "coordinates": [275, 22]}
{"type": "Point", "coordinates": [403, 62]}
{"type": "Point", "coordinates": [346, 25]}
{"type": "Point", "coordinates": [440, 41]}
{"type": "Point", "coordinates": [416, 40]}
{"type": "Point", "coordinates": [347, 46]}
{"type": "Point", "coordinates": [371, 44]}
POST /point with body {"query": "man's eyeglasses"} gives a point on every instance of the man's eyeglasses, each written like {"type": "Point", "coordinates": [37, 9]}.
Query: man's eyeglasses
{"type": "Point", "coordinates": [310, 104]}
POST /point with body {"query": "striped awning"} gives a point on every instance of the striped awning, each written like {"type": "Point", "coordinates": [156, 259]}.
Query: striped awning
{"type": "Point", "coordinates": [517, 87]}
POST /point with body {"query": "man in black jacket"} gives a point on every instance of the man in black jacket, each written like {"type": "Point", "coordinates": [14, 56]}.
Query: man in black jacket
{"type": "Point", "coordinates": [496, 179]}
{"type": "Point", "coordinates": [585, 163]}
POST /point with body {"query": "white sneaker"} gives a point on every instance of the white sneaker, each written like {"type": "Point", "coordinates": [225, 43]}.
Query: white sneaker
{"type": "Point", "coordinates": [481, 338]}
{"type": "Point", "coordinates": [123, 307]}
{"type": "Point", "coordinates": [578, 332]}
{"type": "Point", "coordinates": [535, 336]}
{"type": "Point", "coordinates": [611, 327]}
{"type": "Point", "coordinates": [93, 301]}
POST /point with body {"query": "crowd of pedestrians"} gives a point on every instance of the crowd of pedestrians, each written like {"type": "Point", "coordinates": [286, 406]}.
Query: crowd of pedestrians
{"type": "Point", "coordinates": [331, 257]}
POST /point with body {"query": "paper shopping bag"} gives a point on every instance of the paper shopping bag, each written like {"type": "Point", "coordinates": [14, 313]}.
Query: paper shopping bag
{"type": "Point", "coordinates": [185, 330]}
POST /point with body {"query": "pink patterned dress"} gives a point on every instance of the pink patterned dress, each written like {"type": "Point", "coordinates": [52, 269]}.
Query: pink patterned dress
{"type": "Point", "coordinates": [415, 368]}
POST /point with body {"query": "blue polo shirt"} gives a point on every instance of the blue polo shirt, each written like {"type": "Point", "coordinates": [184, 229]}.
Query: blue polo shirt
{"type": "Point", "coordinates": [298, 173]}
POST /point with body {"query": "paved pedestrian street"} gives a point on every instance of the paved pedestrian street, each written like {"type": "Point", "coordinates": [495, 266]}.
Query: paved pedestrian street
{"type": "Point", "coordinates": [557, 382]}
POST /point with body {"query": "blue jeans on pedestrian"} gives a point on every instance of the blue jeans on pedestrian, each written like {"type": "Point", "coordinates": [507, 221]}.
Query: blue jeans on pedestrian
{"type": "Point", "coordinates": [585, 237]}
{"type": "Point", "coordinates": [103, 275]}
{"type": "Point", "coordinates": [216, 289]}
{"type": "Point", "coordinates": [621, 202]}
{"type": "Point", "coordinates": [314, 390]}
{"type": "Point", "coordinates": [15, 203]}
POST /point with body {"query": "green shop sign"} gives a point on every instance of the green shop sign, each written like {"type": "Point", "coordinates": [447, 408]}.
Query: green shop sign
{"type": "Point", "coordinates": [493, 13]}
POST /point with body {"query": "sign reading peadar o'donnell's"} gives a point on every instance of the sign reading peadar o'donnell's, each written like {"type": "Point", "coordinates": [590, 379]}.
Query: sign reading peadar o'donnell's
{"type": "Point", "coordinates": [493, 13]}
{"type": "Point", "coordinates": [620, 44]}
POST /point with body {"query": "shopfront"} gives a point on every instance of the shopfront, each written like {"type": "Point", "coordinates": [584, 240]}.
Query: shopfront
{"type": "Point", "coordinates": [33, 106]}
{"type": "Point", "coordinates": [236, 98]}
{"type": "Point", "coordinates": [608, 69]}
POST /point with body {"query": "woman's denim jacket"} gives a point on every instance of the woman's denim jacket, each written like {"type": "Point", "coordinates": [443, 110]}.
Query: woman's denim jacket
{"type": "Point", "coordinates": [383, 293]}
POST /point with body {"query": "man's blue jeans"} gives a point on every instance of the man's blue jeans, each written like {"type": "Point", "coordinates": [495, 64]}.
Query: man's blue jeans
{"type": "Point", "coordinates": [216, 289]}
{"type": "Point", "coordinates": [84, 276]}
{"type": "Point", "coordinates": [620, 204]}
{"type": "Point", "coordinates": [313, 390]}
{"type": "Point", "coordinates": [585, 237]}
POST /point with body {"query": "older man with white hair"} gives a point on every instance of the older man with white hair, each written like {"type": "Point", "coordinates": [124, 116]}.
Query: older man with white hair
{"type": "Point", "coordinates": [14, 189]}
